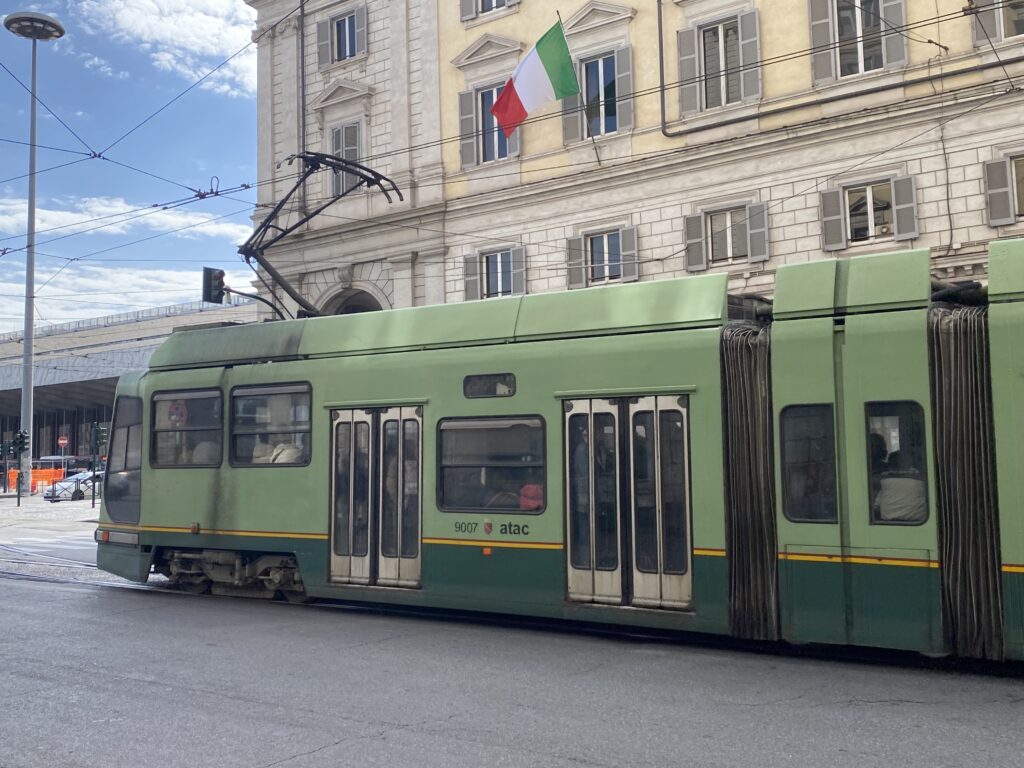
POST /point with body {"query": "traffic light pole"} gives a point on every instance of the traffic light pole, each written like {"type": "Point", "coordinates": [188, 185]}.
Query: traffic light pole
{"type": "Point", "coordinates": [95, 458]}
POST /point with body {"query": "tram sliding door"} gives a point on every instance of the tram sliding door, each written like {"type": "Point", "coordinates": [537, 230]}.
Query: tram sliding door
{"type": "Point", "coordinates": [375, 523]}
{"type": "Point", "coordinates": [592, 470]}
{"type": "Point", "coordinates": [639, 446]}
{"type": "Point", "coordinates": [660, 501]}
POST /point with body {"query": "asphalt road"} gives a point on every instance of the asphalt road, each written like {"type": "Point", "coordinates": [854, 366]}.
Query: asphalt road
{"type": "Point", "coordinates": [93, 676]}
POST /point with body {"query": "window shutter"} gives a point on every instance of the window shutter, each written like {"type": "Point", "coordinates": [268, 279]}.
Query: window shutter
{"type": "Point", "coordinates": [750, 56]}
{"type": "Point", "coordinates": [894, 45]}
{"type": "Point", "coordinates": [757, 232]}
{"type": "Point", "coordinates": [360, 30]}
{"type": "Point", "coordinates": [350, 151]}
{"type": "Point", "coordinates": [985, 21]}
{"type": "Point", "coordinates": [823, 61]}
{"type": "Point", "coordinates": [696, 259]}
{"type": "Point", "coordinates": [689, 84]}
{"type": "Point", "coordinates": [628, 253]}
{"type": "Point", "coordinates": [904, 205]}
{"type": "Point", "coordinates": [572, 119]}
{"type": "Point", "coordinates": [336, 181]}
{"type": "Point", "coordinates": [624, 88]}
{"type": "Point", "coordinates": [467, 128]}
{"type": "Point", "coordinates": [472, 275]}
{"type": "Point", "coordinates": [577, 276]}
{"type": "Point", "coordinates": [833, 222]}
{"type": "Point", "coordinates": [323, 43]}
{"type": "Point", "coordinates": [469, 9]}
{"type": "Point", "coordinates": [999, 193]}
{"type": "Point", "coordinates": [519, 271]}
{"type": "Point", "coordinates": [514, 142]}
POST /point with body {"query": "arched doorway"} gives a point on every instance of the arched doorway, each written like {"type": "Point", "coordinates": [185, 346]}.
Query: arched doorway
{"type": "Point", "coordinates": [352, 302]}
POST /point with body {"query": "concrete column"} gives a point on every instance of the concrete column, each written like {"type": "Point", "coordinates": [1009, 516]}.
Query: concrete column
{"type": "Point", "coordinates": [403, 274]}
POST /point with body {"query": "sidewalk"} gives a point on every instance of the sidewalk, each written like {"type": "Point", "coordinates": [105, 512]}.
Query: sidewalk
{"type": "Point", "coordinates": [43, 519]}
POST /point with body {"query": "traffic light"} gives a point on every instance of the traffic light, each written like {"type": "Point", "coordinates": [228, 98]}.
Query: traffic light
{"type": "Point", "coordinates": [99, 438]}
{"type": "Point", "coordinates": [213, 285]}
{"type": "Point", "coordinates": [20, 443]}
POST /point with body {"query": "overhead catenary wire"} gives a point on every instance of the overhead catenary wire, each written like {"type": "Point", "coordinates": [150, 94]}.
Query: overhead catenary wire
{"type": "Point", "coordinates": [43, 104]}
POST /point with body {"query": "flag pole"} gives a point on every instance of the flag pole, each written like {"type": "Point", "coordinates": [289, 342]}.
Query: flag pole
{"type": "Point", "coordinates": [579, 88]}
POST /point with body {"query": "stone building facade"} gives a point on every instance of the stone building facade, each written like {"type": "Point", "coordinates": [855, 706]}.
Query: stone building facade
{"type": "Point", "coordinates": [709, 136]}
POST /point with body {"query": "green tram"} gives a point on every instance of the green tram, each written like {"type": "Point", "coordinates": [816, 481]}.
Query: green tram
{"type": "Point", "coordinates": [843, 466]}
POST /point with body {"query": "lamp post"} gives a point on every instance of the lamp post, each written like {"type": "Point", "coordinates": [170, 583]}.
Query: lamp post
{"type": "Point", "coordinates": [35, 27]}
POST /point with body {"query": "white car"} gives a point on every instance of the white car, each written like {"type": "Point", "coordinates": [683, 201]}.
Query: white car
{"type": "Point", "coordinates": [74, 488]}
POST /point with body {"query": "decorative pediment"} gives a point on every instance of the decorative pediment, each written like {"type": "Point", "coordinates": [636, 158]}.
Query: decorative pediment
{"type": "Point", "coordinates": [344, 97]}
{"type": "Point", "coordinates": [596, 14]}
{"type": "Point", "coordinates": [487, 48]}
{"type": "Point", "coordinates": [340, 92]}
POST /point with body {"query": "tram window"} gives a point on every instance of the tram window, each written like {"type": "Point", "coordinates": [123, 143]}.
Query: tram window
{"type": "Point", "coordinates": [579, 491]}
{"type": "Point", "coordinates": [808, 464]}
{"type": "Point", "coordinates": [645, 493]}
{"type": "Point", "coordinates": [122, 485]}
{"type": "Point", "coordinates": [492, 465]}
{"type": "Point", "coordinates": [187, 429]}
{"type": "Point", "coordinates": [270, 425]}
{"type": "Point", "coordinates": [489, 385]}
{"type": "Point", "coordinates": [673, 492]}
{"type": "Point", "coordinates": [897, 463]}
{"type": "Point", "coordinates": [342, 487]}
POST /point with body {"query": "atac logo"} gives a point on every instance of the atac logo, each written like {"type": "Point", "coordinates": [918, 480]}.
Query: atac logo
{"type": "Point", "coordinates": [488, 527]}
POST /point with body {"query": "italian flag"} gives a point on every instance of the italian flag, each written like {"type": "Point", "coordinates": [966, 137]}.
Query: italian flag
{"type": "Point", "coordinates": [546, 74]}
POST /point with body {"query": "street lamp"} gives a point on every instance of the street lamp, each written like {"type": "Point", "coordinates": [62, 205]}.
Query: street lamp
{"type": "Point", "coordinates": [35, 27]}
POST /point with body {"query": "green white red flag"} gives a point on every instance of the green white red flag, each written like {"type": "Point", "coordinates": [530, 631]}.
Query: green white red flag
{"type": "Point", "coordinates": [546, 74]}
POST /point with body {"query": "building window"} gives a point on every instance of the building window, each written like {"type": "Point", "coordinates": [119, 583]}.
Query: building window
{"type": "Point", "coordinates": [727, 235]}
{"type": "Point", "coordinates": [497, 273]}
{"type": "Point", "coordinates": [720, 52]}
{"type": "Point", "coordinates": [869, 212]}
{"type": "Point", "coordinates": [270, 425]}
{"type": "Point", "coordinates": [493, 144]}
{"type": "Point", "coordinates": [345, 145]}
{"type": "Point", "coordinates": [604, 257]}
{"type": "Point", "coordinates": [1013, 18]}
{"type": "Point", "coordinates": [492, 465]}
{"type": "Point", "coordinates": [187, 429]}
{"type": "Point", "coordinates": [599, 95]}
{"type": "Point", "coordinates": [860, 36]}
{"type": "Point", "coordinates": [491, 5]}
{"type": "Point", "coordinates": [345, 37]}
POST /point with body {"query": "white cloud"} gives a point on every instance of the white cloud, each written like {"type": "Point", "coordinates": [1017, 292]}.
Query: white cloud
{"type": "Point", "coordinates": [95, 63]}
{"type": "Point", "coordinates": [185, 37]}
{"type": "Point", "coordinates": [91, 290]}
{"type": "Point", "coordinates": [119, 217]}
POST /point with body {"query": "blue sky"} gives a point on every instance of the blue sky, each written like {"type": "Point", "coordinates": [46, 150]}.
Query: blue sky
{"type": "Point", "coordinates": [120, 61]}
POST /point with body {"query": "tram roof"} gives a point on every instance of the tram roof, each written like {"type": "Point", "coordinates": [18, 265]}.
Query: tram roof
{"type": "Point", "coordinates": [688, 302]}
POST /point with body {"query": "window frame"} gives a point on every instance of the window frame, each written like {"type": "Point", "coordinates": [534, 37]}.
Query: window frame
{"type": "Point", "coordinates": [1002, 25]}
{"type": "Point", "coordinates": [872, 237]}
{"type": "Point", "coordinates": [860, 39]}
{"type": "Point", "coordinates": [153, 431]}
{"type": "Point", "coordinates": [601, 59]}
{"type": "Point", "coordinates": [283, 386]}
{"type": "Point", "coordinates": [485, 256]}
{"type": "Point", "coordinates": [339, 179]}
{"type": "Point", "coordinates": [132, 504]}
{"type": "Point", "coordinates": [834, 520]}
{"type": "Point", "coordinates": [349, 17]}
{"type": "Point", "coordinates": [496, 5]}
{"type": "Point", "coordinates": [709, 241]}
{"type": "Point", "coordinates": [495, 136]}
{"type": "Point", "coordinates": [927, 460]}
{"type": "Point", "coordinates": [439, 474]}
{"type": "Point", "coordinates": [589, 266]}
{"type": "Point", "coordinates": [722, 76]}
{"type": "Point", "coordinates": [1017, 184]}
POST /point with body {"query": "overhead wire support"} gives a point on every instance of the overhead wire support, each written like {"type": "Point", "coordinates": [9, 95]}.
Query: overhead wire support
{"type": "Point", "coordinates": [973, 10]}
{"type": "Point", "coordinates": [268, 233]}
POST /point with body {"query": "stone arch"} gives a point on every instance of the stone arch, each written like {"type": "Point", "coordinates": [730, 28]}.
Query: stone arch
{"type": "Point", "coordinates": [360, 297]}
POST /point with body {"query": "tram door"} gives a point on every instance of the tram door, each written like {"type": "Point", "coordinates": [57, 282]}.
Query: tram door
{"type": "Point", "coordinates": [375, 521]}
{"type": "Point", "coordinates": [628, 502]}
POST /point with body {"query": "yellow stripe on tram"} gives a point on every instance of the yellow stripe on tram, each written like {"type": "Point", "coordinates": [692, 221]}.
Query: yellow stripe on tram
{"type": "Point", "coordinates": [496, 544]}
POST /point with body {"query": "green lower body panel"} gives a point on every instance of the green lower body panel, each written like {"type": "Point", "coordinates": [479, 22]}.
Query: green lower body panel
{"type": "Point", "coordinates": [882, 606]}
{"type": "Point", "coordinates": [132, 563]}
{"type": "Point", "coordinates": [1013, 616]}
